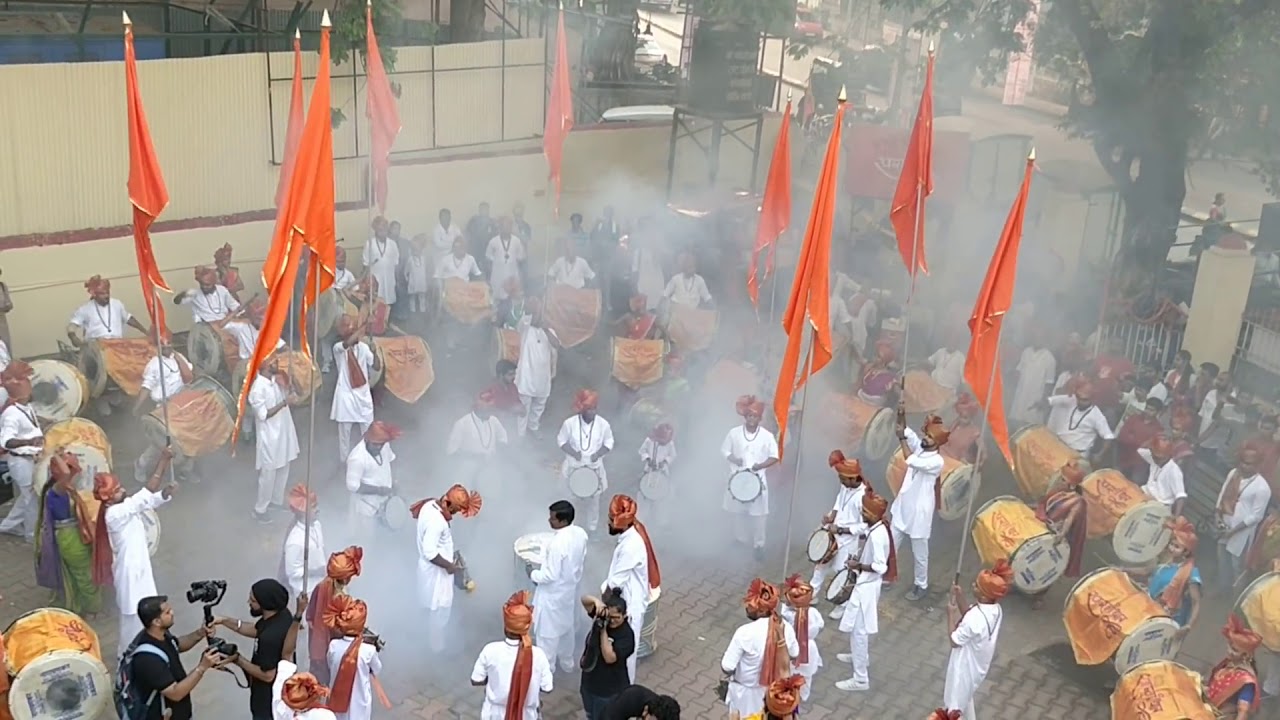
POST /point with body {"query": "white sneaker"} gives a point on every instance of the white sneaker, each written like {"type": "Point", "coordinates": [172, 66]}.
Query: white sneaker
{"type": "Point", "coordinates": [852, 685]}
{"type": "Point", "coordinates": [845, 658]}
{"type": "Point", "coordinates": [837, 613]}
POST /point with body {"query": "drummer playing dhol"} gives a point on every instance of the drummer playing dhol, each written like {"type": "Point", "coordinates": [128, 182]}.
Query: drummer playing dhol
{"type": "Point", "coordinates": [101, 318]}
{"type": "Point", "coordinates": [754, 448]}
{"type": "Point", "coordinates": [1233, 688]}
{"type": "Point", "coordinates": [1175, 581]}
{"type": "Point", "coordinates": [1065, 511]}
{"type": "Point", "coordinates": [585, 439]}
{"type": "Point", "coordinates": [209, 302]}
{"type": "Point", "coordinates": [369, 478]}
{"type": "Point", "coordinates": [845, 519]}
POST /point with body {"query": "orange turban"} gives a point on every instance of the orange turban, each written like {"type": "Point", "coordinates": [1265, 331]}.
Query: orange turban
{"type": "Point", "coordinates": [761, 598]}
{"type": "Point", "coordinates": [874, 505]}
{"type": "Point", "coordinates": [800, 594]}
{"type": "Point", "coordinates": [205, 274]}
{"type": "Point", "coordinates": [944, 714]}
{"type": "Point", "coordinates": [662, 433]}
{"type": "Point", "coordinates": [17, 377]}
{"type": "Point", "coordinates": [967, 405]}
{"type": "Point", "coordinates": [1239, 637]}
{"type": "Point", "coordinates": [937, 433]}
{"type": "Point", "coordinates": [486, 400]}
{"type": "Point", "coordinates": [749, 404]}
{"type": "Point", "coordinates": [381, 432]}
{"type": "Point", "coordinates": [1072, 473]}
{"type": "Point", "coordinates": [843, 466]}
{"type": "Point", "coordinates": [96, 283]}
{"type": "Point", "coordinates": [301, 500]}
{"type": "Point", "coordinates": [1162, 445]}
{"type": "Point", "coordinates": [303, 692]}
{"type": "Point", "coordinates": [64, 466]}
{"type": "Point", "coordinates": [345, 565]}
{"type": "Point", "coordinates": [517, 614]}
{"type": "Point", "coordinates": [996, 582]}
{"type": "Point", "coordinates": [783, 696]}
{"type": "Point", "coordinates": [347, 616]}
{"type": "Point", "coordinates": [517, 619]}
{"type": "Point", "coordinates": [222, 254]}
{"type": "Point", "coordinates": [348, 326]}
{"type": "Point", "coordinates": [1185, 532]}
{"type": "Point", "coordinates": [585, 400]}
{"type": "Point", "coordinates": [105, 486]}
{"type": "Point", "coordinates": [761, 601]}
{"type": "Point", "coordinates": [468, 502]}
{"type": "Point", "coordinates": [622, 515]}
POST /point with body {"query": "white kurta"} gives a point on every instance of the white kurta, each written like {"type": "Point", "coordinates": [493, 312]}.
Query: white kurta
{"type": "Point", "coordinates": [368, 665]}
{"type": "Point", "coordinates": [968, 664]}
{"type": "Point", "coordinates": [1036, 371]}
{"type": "Point", "coordinates": [451, 267]}
{"type": "Point", "coordinates": [99, 321]}
{"type": "Point", "coordinates": [131, 560]}
{"type": "Point", "coordinates": [574, 274]}
{"type": "Point", "coordinates": [504, 263]}
{"type": "Point", "coordinates": [816, 623]}
{"type": "Point", "coordinates": [533, 371]}
{"type": "Point", "coordinates": [752, 449]}
{"type": "Point", "coordinates": [442, 241]}
{"type": "Point", "coordinates": [650, 280]}
{"type": "Point", "coordinates": [557, 582]}
{"type": "Point", "coordinates": [848, 510]}
{"type": "Point", "coordinates": [343, 279]}
{"type": "Point", "coordinates": [1249, 511]}
{"type": "Point", "coordinates": [494, 668]}
{"type": "Point", "coordinates": [1077, 429]}
{"type": "Point", "coordinates": [352, 405]}
{"type": "Point", "coordinates": [417, 273]}
{"type": "Point", "coordinates": [629, 571]}
{"type": "Point", "coordinates": [210, 307]}
{"type": "Point", "coordinates": [381, 258]}
{"type": "Point", "coordinates": [1164, 482]}
{"type": "Point", "coordinates": [913, 508]}
{"type": "Point", "coordinates": [246, 336]}
{"type": "Point", "coordinates": [435, 586]}
{"type": "Point", "coordinates": [685, 290]}
{"type": "Point", "coordinates": [587, 440]}
{"type": "Point", "coordinates": [948, 368]}
{"type": "Point", "coordinates": [277, 440]}
{"type": "Point", "coordinates": [294, 552]}
{"type": "Point", "coordinates": [864, 603]}
{"type": "Point", "coordinates": [365, 469]}
{"type": "Point", "coordinates": [472, 436]}
{"type": "Point", "coordinates": [743, 659]}
{"type": "Point", "coordinates": [172, 384]}
{"type": "Point", "coordinates": [659, 456]}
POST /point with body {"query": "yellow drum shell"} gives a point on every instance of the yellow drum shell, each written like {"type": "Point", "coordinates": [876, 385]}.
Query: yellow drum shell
{"type": "Point", "coordinates": [1259, 605]}
{"type": "Point", "coordinates": [1006, 528]}
{"type": "Point", "coordinates": [1160, 690]}
{"type": "Point", "coordinates": [78, 431]}
{"type": "Point", "coordinates": [1137, 524]}
{"type": "Point", "coordinates": [957, 483]}
{"type": "Point", "coordinates": [43, 631]}
{"type": "Point", "coordinates": [1038, 457]}
{"type": "Point", "coordinates": [1103, 610]}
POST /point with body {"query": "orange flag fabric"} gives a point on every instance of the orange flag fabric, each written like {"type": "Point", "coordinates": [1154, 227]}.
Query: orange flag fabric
{"type": "Point", "coordinates": [915, 183]}
{"type": "Point", "coordinates": [775, 209]}
{"type": "Point", "coordinates": [559, 113]}
{"type": "Point", "coordinates": [306, 220]}
{"type": "Point", "coordinates": [147, 191]}
{"type": "Point", "coordinates": [982, 366]}
{"type": "Point", "coordinates": [810, 293]}
{"type": "Point", "coordinates": [294, 132]}
{"type": "Point", "coordinates": [384, 116]}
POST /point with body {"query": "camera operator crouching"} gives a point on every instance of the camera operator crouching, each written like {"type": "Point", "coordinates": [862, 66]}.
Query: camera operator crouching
{"type": "Point", "coordinates": [275, 632]}
{"type": "Point", "coordinates": [156, 685]}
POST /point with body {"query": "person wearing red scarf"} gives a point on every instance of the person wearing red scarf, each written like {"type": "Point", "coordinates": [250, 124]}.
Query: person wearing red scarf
{"type": "Point", "coordinates": [876, 564]}
{"type": "Point", "coordinates": [1175, 582]}
{"type": "Point", "coordinates": [633, 569]}
{"type": "Point", "coordinates": [759, 653]}
{"type": "Point", "coordinates": [341, 568]}
{"type": "Point", "coordinates": [354, 664]}
{"type": "Point", "coordinates": [228, 276]}
{"type": "Point", "coordinates": [438, 561]}
{"type": "Point", "coordinates": [352, 397]}
{"type": "Point", "coordinates": [512, 671]}
{"type": "Point", "coordinates": [797, 609]}
{"type": "Point", "coordinates": [1233, 688]}
{"type": "Point", "coordinates": [974, 630]}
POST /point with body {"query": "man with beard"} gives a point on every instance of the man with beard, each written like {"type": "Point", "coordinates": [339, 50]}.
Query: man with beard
{"type": "Point", "coordinates": [633, 567]}
{"type": "Point", "coordinates": [156, 663]}
{"type": "Point", "coordinates": [369, 478]}
{"type": "Point", "coordinates": [437, 559]}
{"type": "Point", "coordinates": [875, 565]}
{"type": "Point", "coordinates": [269, 604]}
{"type": "Point", "coordinates": [585, 438]}
{"type": "Point", "coordinates": [916, 502]}
{"type": "Point", "coordinates": [844, 519]}
{"type": "Point", "coordinates": [974, 630]}
{"type": "Point", "coordinates": [209, 302]}
{"type": "Point", "coordinates": [557, 583]}
{"type": "Point", "coordinates": [1078, 423]}
{"type": "Point", "coordinates": [102, 316]}
{"type": "Point", "coordinates": [753, 448]}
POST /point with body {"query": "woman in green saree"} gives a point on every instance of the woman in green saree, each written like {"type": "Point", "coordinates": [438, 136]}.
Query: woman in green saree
{"type": "Point", "coordinates": [64, 540]}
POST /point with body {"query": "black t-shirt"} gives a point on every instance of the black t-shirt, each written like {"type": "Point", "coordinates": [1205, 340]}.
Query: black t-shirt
{"type": "Point", "coordinates": [151, 674]}
{"type": "Point", "coordinates": [268, 651]}
{"type": "Point", "coordinates": [629, 703]}
{"type": "Point", "coordinates": [604, 679]}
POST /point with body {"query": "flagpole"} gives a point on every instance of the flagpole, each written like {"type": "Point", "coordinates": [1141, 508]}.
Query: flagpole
{"type": "Point", "coordinates": [915, 250]}
{"type": "Point", "coordinates": [164, 400]}
{"type": "Point", "coordinates": [795, 484]}
{"type": "Point", "coordinates": [977, 471]}
{"type": "Point", "coordinates": [311, 446]}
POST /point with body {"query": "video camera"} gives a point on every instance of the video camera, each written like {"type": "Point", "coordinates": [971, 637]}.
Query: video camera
{"type": "Point", "coordinates": [211, 592]}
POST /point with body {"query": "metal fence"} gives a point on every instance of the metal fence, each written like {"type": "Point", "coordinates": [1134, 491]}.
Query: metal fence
{"type": "Point", "coordinates": [1143, 344]}
{"type": "Point", "coordinates": [1255, 367]}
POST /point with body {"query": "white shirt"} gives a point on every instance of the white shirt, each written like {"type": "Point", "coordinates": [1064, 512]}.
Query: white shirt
{"type": "Point", "coordinates": [246, 336]}
{"type": "Point", "coordinates": [343, 279]}
{"type": "Point", "coordinates": [975, 638]}
{"type": "Point", "coordinates": [101, 322]}
{"type": "Point", "coordinates": [841, 320]}
{"type": "Point", "coordinates": [659, 456]}
{"type": "Point", "coordinates": [172, 377]}
{"type": "Point", "coordinates": [743, 659]}
{"type": "Point", "coordinates": [434, 539]}
{"type": "Point", "coordinates": [210, 307]}
{"type": "Point", "coordinates": [1208, 407]}
{"type": "Point", "coordinates": [381, 258]}
{"type": "Point", "coordinates": [1077, 429]}
{"type": "Point", "coordinates": [451, 267]}
{"type": "Point", "coordinates": [276, 437]}
{"type": "Point", "coordinates": [368, 665]}
{"type": "Point", "coordinates": [1164, 482]}
{"type": "Point", "coordinates": [864, 603]}
{"type": "Point", "coordinates": [1250, 508]}
{"type": "Point", "coordinates": [752, 449]}
{"type": "Point", "coordinates": [19, 422]}
{"type": "Point", "coordinates": [629, 572]}
{"type": "Point", "coordinates": [848, 510]}
{"type": "Point", "coordinates": [533, 370]}
{"type": "Point", "coordinates": [474, 436]}
{"type": "Point", "coordinates": [816, 623]}
{"type": "Point", "coordinates": [317, 560]}
{"type": "Point", "coordinates": [587, 439]}
{"type": "Point", "coordinates": [948, 368]}
{"type": "Point", "coordinates": [131, 559]}
{"type": "Point", "coordinates": [365, 469]}
{"type": "Point", "coordinates": [913, 508]}
{"type": "Point", "coordinates": [1036, 373]}
{"type": "Point", "coordinates": [494, 668]}
{"type": "Point", "coordinates": [504, 263]}
{"type": "Point", "coordinates": [574, 274]}
{"type": "Point", "coordinates": [5, 359]}
{"type": "Point", "coordinates": [442, 241]}
{"type": "Point", "coordinates": [687, 291]}
{"type": "Point", "coordinates": [557, 582]}
{"type": "Point", "coordinates": [352, 405]}
{"type": "Point", "coordinates": [1160, 392]}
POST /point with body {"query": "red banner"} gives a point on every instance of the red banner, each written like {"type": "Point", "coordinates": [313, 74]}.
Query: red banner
{"type": "Point", "coordinates": [874, 155]}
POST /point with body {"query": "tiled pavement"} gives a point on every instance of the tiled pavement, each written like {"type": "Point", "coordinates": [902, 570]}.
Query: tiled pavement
{"type": "Point", "coordinates": [207, 533]}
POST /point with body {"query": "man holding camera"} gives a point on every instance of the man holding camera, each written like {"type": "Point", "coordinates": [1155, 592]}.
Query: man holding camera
{"type": "Point", "coordinates": [269, 603]}
{"type": "Point", "coordinates": [156, 671]}
{"type": "Point", "coordinates": [610, 644]}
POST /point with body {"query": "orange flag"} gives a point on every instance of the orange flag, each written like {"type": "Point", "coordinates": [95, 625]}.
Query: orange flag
{"type": "Point", "coordinates": [775, 209]}
{"type": "Point", "coordinates": [306, 221]}
{"type": "Point", "coordinates": [380, 107]}
{"type": "Point", "coordinates": [915, 183]}
{"type": "Point", "coordinates": [982, 366]}
{"type": "Point", "coordinates": [147, 192]}
{"type": "Point", "coordinates": [559, 113]}
{"type": "Point", "coordinates": [810, 293]}
{"type": "Point", "coordinates": [294, 132]}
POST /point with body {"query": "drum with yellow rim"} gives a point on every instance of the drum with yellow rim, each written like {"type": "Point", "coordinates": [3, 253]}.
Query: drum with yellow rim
{"type": "Point", "coordinates": [59, 391]}
{"type": "Point", "coordinates": [1108, 617]}
{"type": "Point", "coordinates": [636, 363]}
{"type": "Point", "coordinates": [201, 418]}
{"type": "Point", "coordinates": [959, 484]}
{"type": "Point", "coordinates": [923, 395]}
{"type": "Point", "coordinates": [691, 329]}
{"type": "Point", "coordinates": [406, 367]}
{"type": "Point", "coordinates": [1038, 458]}
{"type": "Point", "coordinates": [1259, 605]}
{"type": "Point", "coordinates": [1006, 528]}
{"type": "Point", "coordinates": [82, 438]}
{"type": "Point", "coordinates": [1137, 524]}
{"type": "Point", "coordinates": [1265, 551]}
{"type": "Point", "coordinates": [867, 426]}
{"type": "Point", "coordinates": [1160, 690]}
{"type": "Point", "coordinates": [56, 662]}
{"type": "Point", "coordinates": [304, 375]}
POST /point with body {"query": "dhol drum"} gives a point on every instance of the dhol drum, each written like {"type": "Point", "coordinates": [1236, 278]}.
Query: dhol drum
{"type": "Point", "coordinates": [745, 486]}
{"type": "Point", "coordinates": [1266, 544]}
{"type": "Point", "coordinates": [923, 394]}
{"type": "Point", "coordinates": [655, 485]}
{"type": "Point", "coordinates": [866, 426]}
{"type": "Point", "coordinates": [529, 554]}
{"type": "Point", "coordinates": [56, 662]}
{"type": "Point", "coordinates": [584, 482]}
{"type": "Point", "coordinates": [59, 391]}
{"type": "Point", "coordinates": [151, 521]}
{"type": "Point", "coordinates": [1136, 523]}
{"type": "Point", "coordinates": [328, 310]}
{"type": "Point", "coordinates": [821, 546]}
{"type": "Point", "coordinates": [407, 371]}
{"type": "Point", "coordinates": [468, 302]}
{"type": "Point", "coordinates": [1006, 528]}
{"type": "Point", "coordinates": [1109, 617]}
{"type": "Point", "coordinates": [201, 419]}
{"type": "Point", "coordinates": [394, 514]}
{"type": "Point", "coordinates": [1038, 458]}
{"type": "Point", "coordinates": [840, 589]}
{"type": "Point", "coordinates": [304, 376]}
{"type": "Point", "coordinates": [572, 313]}
{"type": "Point", "coordinates": [211, 349]}
{"type": "Point", "coordinates": [1161, 690]}
{"type": "Point", "coordinates": [645, 414]}
{"type": "Point", "coordinates": [636, 363]}
{"type": "Point", "coordinates": [119, 361]}
{"type": "Point", "coordinates": [647, 643]}
{"type": "Point", "coordinates": [1259, 605]}
{"type": "Point", "coordinates": [959, 484]}
{"type": "Point", "coordinates": [84, 439]}
{"type": "Point", "coordinates": [691, 329]}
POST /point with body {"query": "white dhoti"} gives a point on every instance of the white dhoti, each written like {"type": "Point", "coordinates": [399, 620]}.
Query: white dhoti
{"type": "Point", "coordinates": [563, 647]}
{"type": "Point", "coordinates": [745, 700]}
{"type": "Point", "coordinates": [271, 484]}
{"type": "Point", "coordinates": [22, 516]}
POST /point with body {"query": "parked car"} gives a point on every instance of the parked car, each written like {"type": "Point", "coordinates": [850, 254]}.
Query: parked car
{"type": "Point", "coordinates": [808, 25]}
{"type": "Point", "coordinates": [648, 52]}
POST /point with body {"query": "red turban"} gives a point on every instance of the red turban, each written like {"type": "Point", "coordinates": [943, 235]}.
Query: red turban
{"type": "Point", "coordinates": [1072, 473]}
{"type": "Point", "coordinates": [874, 505]}
{"type": "Point", "coordinates": [345, 565]}
{"type": "Point", "coordinates": [944, 714]}
{"type": "Point", "coordinates": [996, 582]}
{"type": "Point", "coordinates": [662, 433]}
{"type": "Point", "coordinates": [301, 500]}
{"type": "Point", "coordinates": [517, 614]}
{"type": "Point", "coordinates": [303, 692]}
{"type": "Point", "coordinates": [622, 515]}
{"type": "Point", "coordinates": [761, 598]}
{"type": "Point", "coordinates": [381, 432]}
{"type": "Point", "coordinates": [800, 594]}
{"type": "Point", "coordinates": [486, 400]}
{"type": "Point", "coordinates": [783, 696]}
{"type": "Point", "coordinates": [1185, 533]}
{"type": "Point", "coordinates": [105, 486]}
{"type": "Point", "coordinates": [347, 616]}
{"type": "Point", "coordinates": [843, 466]}
{"type": "Point", "coordinates": [96, 283]}
{"type": "Point", "coordinates": [517, 619]}
{"type": "Point", "coordinates": [1239, 637]}
{"type": "Point", "coordinates": [64, 466]}
{"type": "Point", "coordinates": [938, 434]}
{"type": "Point", "coordinates": [761, 601]}
{"type": "Point", "coordinates": [749, 404]}
{"type": "Point", "coordinates": [223, 254]}
{"type": "Point", "coordinates": [16, 378]}
{"type": "Point", "coordinates": [585, 400]}
{"type": "Point", "coordinates": [206, 275]}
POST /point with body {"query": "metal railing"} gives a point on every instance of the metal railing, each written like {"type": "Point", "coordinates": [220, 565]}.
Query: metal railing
{"type": "Point", "coordinates": [1255, 366]}
{"type": "Point", "coordinates": [1142, 343]}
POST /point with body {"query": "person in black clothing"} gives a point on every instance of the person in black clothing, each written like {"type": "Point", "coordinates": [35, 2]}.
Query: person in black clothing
{"type": "Point", "coordinates": [275, 625]}
{"type": "Point", "coordinates": [639, 701]}
{"type": "Point", "coordinates": [610, 641]}
{"type": "Point", "coordinates": [167, 678]}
